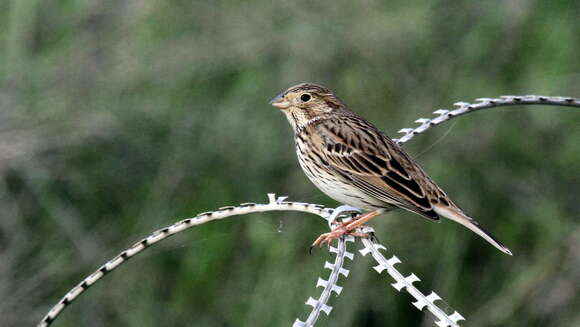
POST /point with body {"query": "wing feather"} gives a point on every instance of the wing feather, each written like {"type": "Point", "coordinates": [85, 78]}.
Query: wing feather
{"type": "Point", "coordinates": [358, 153]}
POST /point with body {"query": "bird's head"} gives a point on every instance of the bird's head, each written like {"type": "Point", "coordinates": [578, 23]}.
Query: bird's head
{"type": "Point", "coordinates": [305, 103]}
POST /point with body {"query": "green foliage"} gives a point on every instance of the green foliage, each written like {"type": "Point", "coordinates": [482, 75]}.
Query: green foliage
{"type": "Point", "coordinates": [119, 117]}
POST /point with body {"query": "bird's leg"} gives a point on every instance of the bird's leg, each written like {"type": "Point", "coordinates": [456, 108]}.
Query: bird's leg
{"type": "Point", "coordinates": [346, 229]}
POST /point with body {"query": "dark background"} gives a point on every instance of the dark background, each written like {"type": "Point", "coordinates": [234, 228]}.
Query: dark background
{"type": "Point", "coordinates": [121, 117]}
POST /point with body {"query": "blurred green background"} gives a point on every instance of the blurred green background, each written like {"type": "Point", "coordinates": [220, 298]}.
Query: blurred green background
{"type": "Point", "coordinates": [121, 117]}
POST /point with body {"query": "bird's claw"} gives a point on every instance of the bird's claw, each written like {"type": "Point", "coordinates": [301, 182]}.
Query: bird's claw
{"type": "Point", "coordinates": [338, 232]}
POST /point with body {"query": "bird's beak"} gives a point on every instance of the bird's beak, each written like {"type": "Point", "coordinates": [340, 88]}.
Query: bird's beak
{"type": "Point", "coordinates": [280, 102]}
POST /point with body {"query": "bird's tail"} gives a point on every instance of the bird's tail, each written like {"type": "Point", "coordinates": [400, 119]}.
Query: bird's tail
{"type": "Point", "coordinates": [457, 215]}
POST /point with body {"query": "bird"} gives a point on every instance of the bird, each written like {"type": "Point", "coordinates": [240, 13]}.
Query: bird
{"type": "Point", "coordinates": [353, 162]}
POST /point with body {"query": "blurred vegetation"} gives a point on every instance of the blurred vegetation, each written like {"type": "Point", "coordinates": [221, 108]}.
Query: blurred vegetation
{"type": "Point", "coordinates": [120, 117]}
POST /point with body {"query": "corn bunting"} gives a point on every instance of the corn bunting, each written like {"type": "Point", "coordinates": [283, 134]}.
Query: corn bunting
{"type": "Point", "coordinates": [353, 162]}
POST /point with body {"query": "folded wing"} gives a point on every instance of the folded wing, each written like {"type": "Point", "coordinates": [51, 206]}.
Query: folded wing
{"type": "Point", "coordinates": [378, 167]}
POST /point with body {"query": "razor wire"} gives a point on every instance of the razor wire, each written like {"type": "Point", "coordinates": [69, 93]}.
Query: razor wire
{"type": "Point", "coordinates": [329, 285]}
{"type": "Point", "coordinates": [463, 108]}
{"type": "Point", "coordinates": [274, 204]}
{"type": "Point", "coordinates": [279, 204]}
{"type": "Point", "coordinates": [402, 282]}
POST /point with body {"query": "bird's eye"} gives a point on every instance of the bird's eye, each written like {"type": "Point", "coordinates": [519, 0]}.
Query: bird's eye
{"type": "Point", "coordinates": [305, 97]}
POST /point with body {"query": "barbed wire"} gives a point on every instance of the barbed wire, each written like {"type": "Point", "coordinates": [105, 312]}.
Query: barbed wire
{"type": "Point", "coordinates": [406, 283]}
{"type": "Point", "coordinates": [337, 268]}
{"type": "Point", "coordinates": [329, 285]}
{"type": "Point", "coordinates": [463, 108]}
{"type": "Point", "coordinates": [274, 204]}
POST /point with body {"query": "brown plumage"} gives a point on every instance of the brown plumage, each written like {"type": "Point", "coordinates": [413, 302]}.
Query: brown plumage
{"type": "Point", "coordinates": [353, 162]}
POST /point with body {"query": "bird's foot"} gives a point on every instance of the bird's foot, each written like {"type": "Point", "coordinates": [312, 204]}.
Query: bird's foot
{"type": "Point", "coordinates": [340, 231]}
{"type": "Point", "coordinates": [347, 228]}
{"type": "Point", "coordinates": [326, 238]}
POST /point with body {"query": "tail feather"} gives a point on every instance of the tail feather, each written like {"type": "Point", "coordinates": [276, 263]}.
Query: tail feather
{"type": "Point", "coordinates": [458, 216]}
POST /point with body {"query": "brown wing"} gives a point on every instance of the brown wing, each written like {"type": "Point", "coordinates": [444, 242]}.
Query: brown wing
{"type": "Point", "coordinates": [377, 166]}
